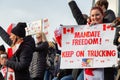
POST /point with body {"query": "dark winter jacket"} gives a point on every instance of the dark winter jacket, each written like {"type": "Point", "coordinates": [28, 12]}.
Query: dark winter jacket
{"type": "Point", "coordinates": [38, 64]}
{"type": "Point", "coordinates": [5, 36]}
{"type": "Point", "coordinates": [77, 14]}
{"type": "Point", "coordinates": [115, 41]}
{"type": "Point", "coordinates": [117, 35]}
{"type": "Point", "coordinates": [21, 59]}
{"type": "Point", "coordinates": [109, 15]}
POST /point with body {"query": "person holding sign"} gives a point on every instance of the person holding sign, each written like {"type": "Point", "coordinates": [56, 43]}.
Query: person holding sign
{"type": "Point", "coordinates": [96, 17]}
{"type": "Point", "coordinates": [38, 64]}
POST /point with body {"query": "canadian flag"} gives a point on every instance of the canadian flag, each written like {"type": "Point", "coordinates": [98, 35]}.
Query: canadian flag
{"type": "Point", "coordinates": [8, 73]}
{"type": "Point", "coordinates": [68, 30]}
{"type": "Point", "coordinates": [94, 74]}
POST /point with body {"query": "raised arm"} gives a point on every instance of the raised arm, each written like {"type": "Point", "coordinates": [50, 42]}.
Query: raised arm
{"type": "Point", "coordinates": [77, 14]}
{"type": "Point", "coordinates": [5, 36]}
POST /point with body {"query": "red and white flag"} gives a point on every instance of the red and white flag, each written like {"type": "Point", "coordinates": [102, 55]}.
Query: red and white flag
{"type": "Point", "coordinates": [58, 36]}
{"type": "Point", "coordinates": [8, 73]}
{"type": "Point", "coordinates": [94, 74]}
{"type": "Point", "coordinates": [10, 27]}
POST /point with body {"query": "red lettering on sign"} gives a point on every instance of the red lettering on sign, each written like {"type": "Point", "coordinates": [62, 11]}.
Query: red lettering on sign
{"type": "Point", "coordinates": [80, 53]}
{"type": "Point", "coordinates": [90, 41]}
{"type": "Point", "coordinates": [101, 53]}
{"type": "Point", "coordinates": [87, 34]}
{"type": "Point", "coordinates": [67, 53]}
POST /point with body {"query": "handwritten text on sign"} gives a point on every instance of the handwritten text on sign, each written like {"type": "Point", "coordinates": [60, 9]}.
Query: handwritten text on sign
{"type": "Point", "coordinates": [88, 47]}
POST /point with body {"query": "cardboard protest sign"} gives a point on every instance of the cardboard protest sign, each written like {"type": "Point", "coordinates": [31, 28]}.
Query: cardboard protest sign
{"type": "Point", "coordinates": [88, 47]}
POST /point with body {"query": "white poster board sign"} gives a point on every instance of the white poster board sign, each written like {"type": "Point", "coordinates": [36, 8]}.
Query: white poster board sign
{"type": "Point", "coordinates": [34, 27]}
{"type": "Point", "coordinates": [46, 27]}
{"type": "Point", "coordinates": [88, 47]}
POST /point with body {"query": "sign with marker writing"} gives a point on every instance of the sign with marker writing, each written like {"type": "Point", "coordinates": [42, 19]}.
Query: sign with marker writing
{"type": "Point", "coordinates": [87, 46]}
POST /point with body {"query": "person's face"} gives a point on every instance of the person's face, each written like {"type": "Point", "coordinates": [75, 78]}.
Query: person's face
{"type": "Point", "coordinates": [96, 16]}
{"type": "Point", "coordinates": [39, 39]}
{"type": "Point", "coordinates": [13, 37]}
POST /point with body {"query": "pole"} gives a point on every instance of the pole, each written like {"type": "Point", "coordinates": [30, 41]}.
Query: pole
{"type": "Point", "coordinates": [93, 3]}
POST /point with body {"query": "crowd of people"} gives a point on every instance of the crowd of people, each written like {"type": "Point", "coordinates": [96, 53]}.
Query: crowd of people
{"type": "Point", "coordinates": [40, 59]}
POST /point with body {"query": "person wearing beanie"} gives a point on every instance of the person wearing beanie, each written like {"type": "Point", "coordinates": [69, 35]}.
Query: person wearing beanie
{"type": "Point", "coordinates": [19, 30]}
{"type": "Point", "coordinates": [22, 49]}
{"type": "Point", "coordinates": [18, 33]}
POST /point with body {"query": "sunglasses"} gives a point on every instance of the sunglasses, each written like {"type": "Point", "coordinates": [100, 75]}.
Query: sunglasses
{"type": "Point", "coordinates": [38, 37]}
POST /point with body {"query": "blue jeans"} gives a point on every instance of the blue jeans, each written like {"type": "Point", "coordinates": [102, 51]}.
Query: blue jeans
{"type": "Point", "coordinates": [81, 76]}
{"type": "Point", "coordinates": [68, 77]}
{"type": "Point", "coordinates": [55, 78]}
{"type": "Point", "coordinates": [47, 75]}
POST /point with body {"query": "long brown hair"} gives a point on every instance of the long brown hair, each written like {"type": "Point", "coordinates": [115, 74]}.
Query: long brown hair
{"type": "Point", "coordinates": [98, 9]}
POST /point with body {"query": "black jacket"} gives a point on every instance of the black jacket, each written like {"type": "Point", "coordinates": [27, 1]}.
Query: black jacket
{"type": "Point", "coordinates": [5, 36]}
{"type": "Point", "coordinates": [38, 64]}
{"type": "Point", "coordinates": [115, 41]}
{"type": "Point", "coordinates": [109, 15]}
{"type": "Point", "coordinates": [21, 59]}
{"type": "Point", "coordinates": [117, 35]}
{"type": "Point", "coordinates": [77, 14]}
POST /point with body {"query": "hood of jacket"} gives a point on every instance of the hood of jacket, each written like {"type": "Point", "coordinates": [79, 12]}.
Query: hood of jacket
{"type": "Point", "coordinates": [29, 40]}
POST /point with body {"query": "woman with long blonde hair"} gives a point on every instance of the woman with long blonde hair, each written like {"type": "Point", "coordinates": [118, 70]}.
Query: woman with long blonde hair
{"type": "Point", "coordinates": [38, 64]}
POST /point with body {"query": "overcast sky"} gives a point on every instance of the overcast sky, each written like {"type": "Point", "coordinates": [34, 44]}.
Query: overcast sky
{"type": "Point", "coordinates": [57, 11]}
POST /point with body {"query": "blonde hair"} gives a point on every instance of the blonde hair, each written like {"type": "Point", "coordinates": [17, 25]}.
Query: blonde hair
{"type": "Point", "coordinates": [51, 44]}
{"type": "Point", "coordinates": [42, 35]}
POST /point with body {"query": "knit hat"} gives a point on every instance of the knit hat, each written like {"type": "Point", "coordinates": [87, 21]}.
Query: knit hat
{"type": "Point", "coordinates": [19, 29]}
{"type": "Point", "coordinates": [2, 48]}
